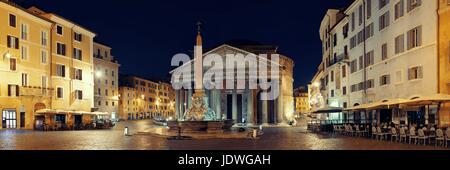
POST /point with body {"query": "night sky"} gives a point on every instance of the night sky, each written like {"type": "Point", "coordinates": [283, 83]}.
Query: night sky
{"type": "Point", "coordinates": [145, 34]}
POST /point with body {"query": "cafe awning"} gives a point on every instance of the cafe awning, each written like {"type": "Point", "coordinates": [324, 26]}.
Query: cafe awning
{"type": "Point", "coordinates": [359, 107]}
{"type": "Point", "coordinates": [427, 100]}
{"type": "Point", "coordinates": [328, 110]}
{"type": "Point", "coordinates": [52, 112]}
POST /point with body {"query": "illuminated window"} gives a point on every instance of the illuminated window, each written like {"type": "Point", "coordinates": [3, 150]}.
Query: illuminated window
{"type": "Point", "coordinates": [415, 73]}
{"type": "Point", "coordinates": [24, 31]}
{"type": "Point", "coordinates": [24, 79]}
{"type": "Point", "coordinates": [385, 80]}
{"type": "Point", "coordinates": [12, 42]}
{"type": "Point", "coordinates": [415, 37]}
{"type": "Point", "coordinates": [78, 95]}
{"type": "Point", "coordinates": [413, 4]}
{"type": "Point", "coordinates": [61, 49]}
{"type": "Point", "coordinates": [399, 9]}
{"type": "Point", "coordinates": [60, 70]}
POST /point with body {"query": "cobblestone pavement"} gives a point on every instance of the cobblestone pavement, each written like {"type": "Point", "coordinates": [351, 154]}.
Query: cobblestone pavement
{"type": "Point", "coordinates": [274, 139]}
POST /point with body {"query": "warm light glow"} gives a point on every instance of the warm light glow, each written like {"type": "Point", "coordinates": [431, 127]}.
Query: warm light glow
{"type": "Point", "coordinates": [8, 55]}
{"type": "Point", "coordinates": [316, 84]}
{"type": "Point", "coordinates": [98, 74]}
{"type": "Point", "coordinates": [142, 96]}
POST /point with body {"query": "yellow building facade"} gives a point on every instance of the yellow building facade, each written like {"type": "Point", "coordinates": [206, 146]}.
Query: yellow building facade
{"type": "Point", "coordinates": [24, 66]}
{"type": "Point", "coordinates": [444, 58]}
{"type": "Point", "coordinates": [144, 99]}
{"type": "Point", "coordinates": [46, 64]}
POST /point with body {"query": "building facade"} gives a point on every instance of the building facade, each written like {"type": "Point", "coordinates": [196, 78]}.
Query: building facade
{"type": "Point", "coordinates": [302, 105]}
{"type": "Point", "coordinates": [444, 53]}
{"type": "Point", "coordinates": [380, 52]}
{"type": "Point", "coordinates": [25, 66]}
{"type": "Point", "coordinates": [140, 98]}
{"type": "Point", "coordinates": [244, 106]}
{"type": "Point", "coordinates": [106, 98]}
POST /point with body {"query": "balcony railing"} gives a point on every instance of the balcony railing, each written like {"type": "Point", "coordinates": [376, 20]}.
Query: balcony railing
{"type": "Point", "coordinates": [339, 58]}
{"type": "Point", "coordinates": [35, 91]}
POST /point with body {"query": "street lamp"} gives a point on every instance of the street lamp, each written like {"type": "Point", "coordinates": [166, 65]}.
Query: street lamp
{"type": "Point", "coordinates": [316, 84]}
{"type": "Point", "coordinates": [98, 74]}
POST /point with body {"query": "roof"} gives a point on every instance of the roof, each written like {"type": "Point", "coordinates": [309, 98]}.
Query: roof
{"type": "Point", "coordinates": [25, 10]}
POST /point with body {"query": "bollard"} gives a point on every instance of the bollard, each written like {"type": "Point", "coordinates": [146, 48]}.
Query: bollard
{"type": "Point", "coordinates": [126, 131]}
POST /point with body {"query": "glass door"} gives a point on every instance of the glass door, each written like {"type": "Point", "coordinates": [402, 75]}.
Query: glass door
{"type": "Point", "coordinates": [9, 119]}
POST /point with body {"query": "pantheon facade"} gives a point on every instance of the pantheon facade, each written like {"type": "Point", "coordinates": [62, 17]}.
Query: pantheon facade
{"type": "Point", "coordinates": [244, 106]}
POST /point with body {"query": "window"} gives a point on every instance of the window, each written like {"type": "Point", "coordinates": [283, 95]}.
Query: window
{"type": "Point", "coordinates": [99, 103]}
{"type": "Point", "coordinates": [77, 54]}
{"type": "Point", "coordinates": [415, 73]}
{"type": "Point", "coordinates": [344, 71]}
{"type": "Point", "coordinates": [12, 64]}
{"type": "Point", "coordinates": [334, 40]}
{"type": "Point", "coordinates": [44, 38]}
{"type": "Point", "coordinates": [13, 90]}
{"type": "Point", "coordinates": [77, 36]}
{"type": "Point", "coordinates": [384, 51]}
{"type": "Point", "coordinates": [113, 74]}
{"type": "Point", "coordinates": [415, 37]}
{"type": "Point", "coordinates": [24, 79]}
{"type": "Point", "coordinates": [413, 4]}
{"type": "Point", "coordinates": [399, 44]}
{"type": "Point", "coordinates": [106, 92]}
{"type": "Point", "coordinates": [106, 103]}
{"type": "Point", "coordinates": [24, 52]}
{"type": "Point", "coordinates": [99, 91]}
{"type": "Point", "coordinates": [60, 70]}
{"type": "Point", "coordinates": [399, 9]}
{"type": "Point", "coordinates": [360, 11]}
{"type": "Point", "coordinates": [344, 90]}
{"type": "Point", "coordinates": [384, 21]}
{"type": "Point", "coordinates": [106, 82]}
{"type": "Point", "coordinates": [385, 80]}
{"type": "Point", "coordinates": [61, 49]}
{"type": "Point", "coordinates": [44, 57]}
{"type": "Point", "coordinates": [354, 88]}
{"type": "Point", "coordinates": [113, 103]}
{"type": "Point", "coordinates": [353, 42]}
{"type": "Point", "coordinates": [369, 31]}
{"type": "Point", "coordinates": [59, 92]}
{"type": "Point", "coordinates": [332, 93]}
{"type": "Point", "coordinates": [78, 74]}
{"type": "Point", "coordinates": [12, 20]}
{"type": "Point", "coordinates": [370, 83]}
{"type": "Point", "coordinates": [383, 3]}
{"type": "Point", "coordinates": [369, 8]}
{"type": "Point", "coordinates": [78, 95]}
{"type": "Point", "coordinates": [59, 30]}
{"type": "Point", "coordinates": [361, 62]}
{"type": "Point", "coordinates": [24, 32]}
{"type": "Point", "coordinates": [332, 76]}
{"type": "Point", "coordinates": [369, 60]}
{"type": "Point", "coordinates": [13, 42]}
{"type": "Point", "coordinates": [345, 31]}
{"type": "Point", "coordinates": [112, 83]}
{"type": "Point", "coordinates": [353, 21]}
{"type": "Point", "coordinates": [361, 86]}
{"type": "Point", "coordinates": [353, 66]}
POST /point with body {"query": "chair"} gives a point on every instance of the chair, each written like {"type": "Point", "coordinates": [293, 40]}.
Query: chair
{"type": "Point", "coordinates": [439, 137]}
{"type": "Point", "coordinates": [394, 134]}
{"type": "Point", "coordinates": [374, 132]}
{"type": "Point", "coordinates": [350, 130]}
{"type": "Point", "coordinates": [402, 134]}
{"type": "Point", "coordinates": [381, 134]}
{"type": "Point", "coordinates": [358, 132]}
{"type": "Point", "coordinates": [422, 136]}
{"type": "Point", "coordinates": [412, 135]}
{"type": "Point", "coordinates": [447, 137]}
{"type": "Point", "coordinates": [431, 134]}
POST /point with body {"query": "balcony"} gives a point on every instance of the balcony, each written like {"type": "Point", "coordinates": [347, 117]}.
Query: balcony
{"type": "Point", "coordinates": [35, 91]}
{"type": "Point", "coordinates": [337, 59]}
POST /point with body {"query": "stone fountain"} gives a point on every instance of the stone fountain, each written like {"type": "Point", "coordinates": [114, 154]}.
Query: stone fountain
{"type": "Point", "coordinates": [199, 117]}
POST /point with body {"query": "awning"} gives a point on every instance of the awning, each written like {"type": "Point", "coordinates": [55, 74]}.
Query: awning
{"type": "Point", "coordinates": [328, 110]}
{"type": "Point", "coordinates": [427, 100]}
{"type": "Point", "coordinates": [385, 103]}
{"type": "Point", "coordinates": [359, 107]}
{"type": "Point", "coordinates": [52, 112]}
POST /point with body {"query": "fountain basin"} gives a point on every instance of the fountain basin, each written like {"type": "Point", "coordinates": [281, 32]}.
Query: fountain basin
{"type": "Point", "coordinates": [200, 126]}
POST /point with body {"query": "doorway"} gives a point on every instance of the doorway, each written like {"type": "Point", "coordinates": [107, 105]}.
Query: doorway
{"type": "Point", "coordinates": [9, 119]}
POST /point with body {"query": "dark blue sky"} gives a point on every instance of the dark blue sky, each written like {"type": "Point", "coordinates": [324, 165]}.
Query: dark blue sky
{"type": "Point", "coordinates": [145, 34]}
